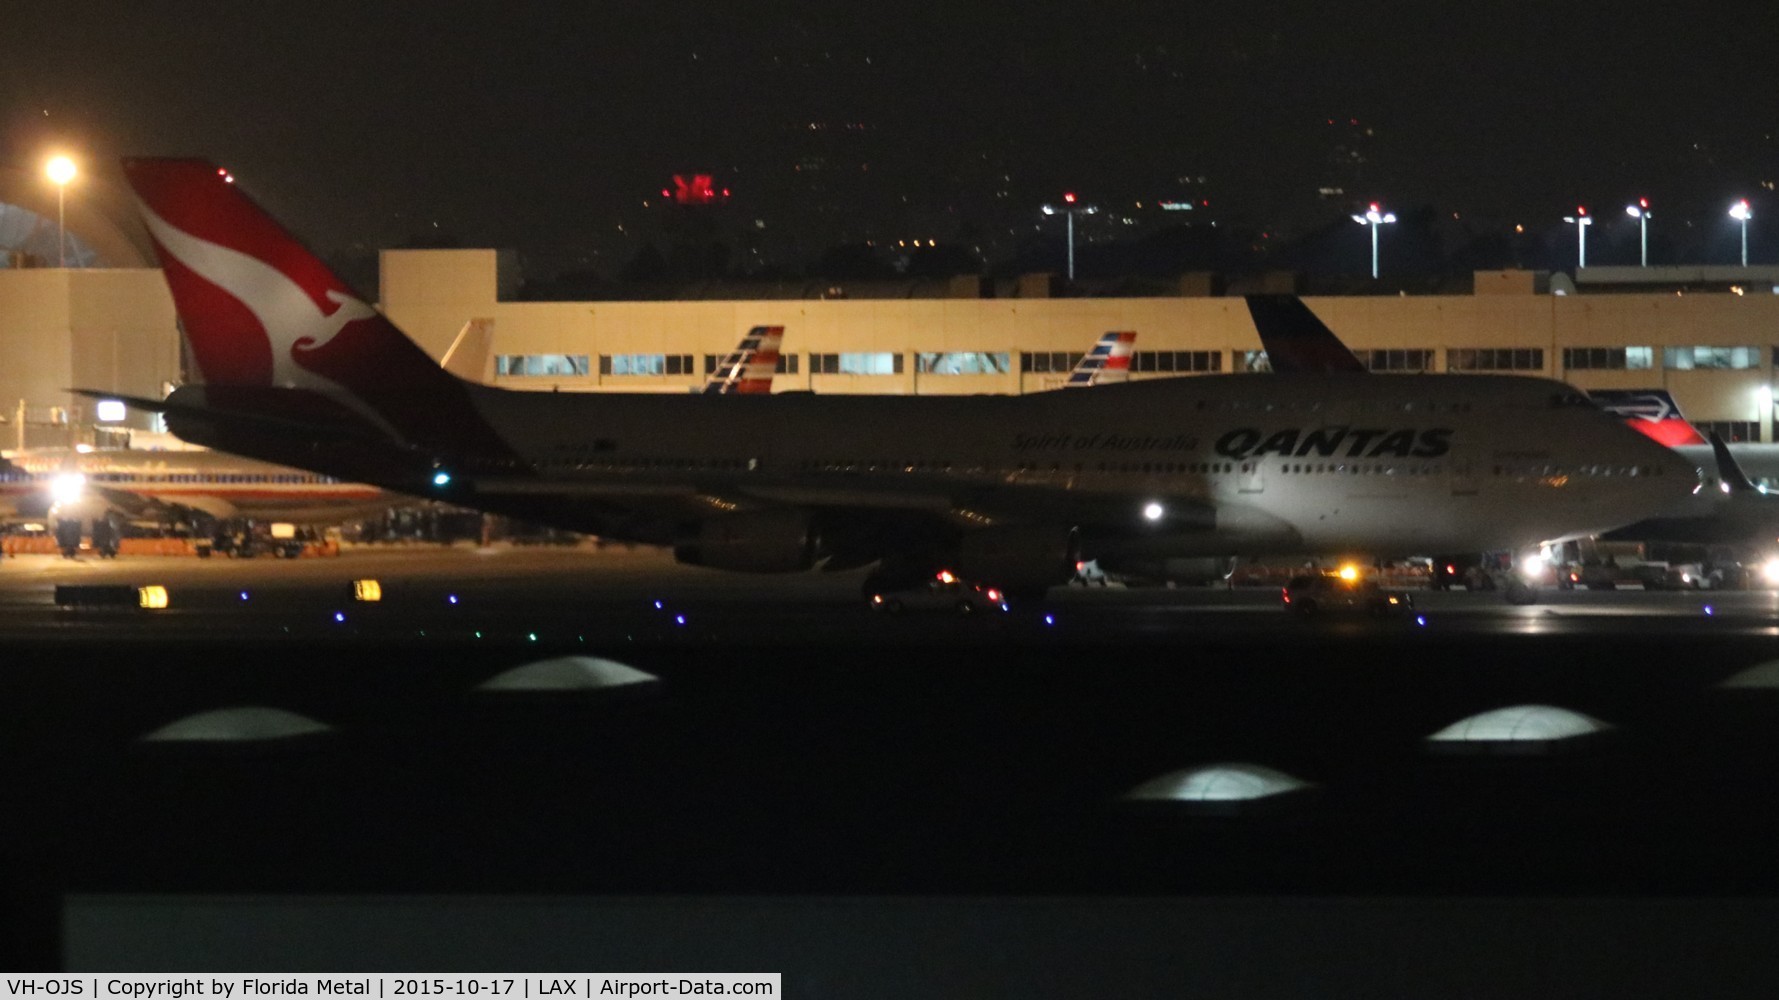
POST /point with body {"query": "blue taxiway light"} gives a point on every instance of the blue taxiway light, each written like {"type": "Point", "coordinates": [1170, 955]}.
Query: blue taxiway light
{"type": "Point", "coordinates": [1420, 619]}
{"type": "Point", "coordinates": [339, 616]}
{"type": "Point", "coordinates": [1709, 611]}
{"type": "Point", "coordinates": [243, 595]}
{"type": "Point", "coordinates": [451, 599]}
{"type": "Point", "coordinates": [658, 605]}
{"type": "Point", "coordinates": [441, 478]}
{"type": "Point", "coordinates": [1050, 619]}
{"type": "Point", "coordinates": [680, 619]}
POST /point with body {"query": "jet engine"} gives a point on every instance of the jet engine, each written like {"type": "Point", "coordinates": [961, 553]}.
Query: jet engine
{"type": "Point", "coordinates": [763, 541]}
{"type": "Point", "coordinates": [1019, 557]}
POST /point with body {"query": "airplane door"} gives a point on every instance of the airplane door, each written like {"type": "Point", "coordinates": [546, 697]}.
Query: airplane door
{"type": "Point", "coordinates": [1463, 479]}
{"type": "Point", "coordinates": [1250, 479]}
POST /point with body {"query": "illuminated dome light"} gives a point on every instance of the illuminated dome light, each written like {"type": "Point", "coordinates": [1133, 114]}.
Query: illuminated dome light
{"type": "Point", "coordinates": [1518, 729]}
{"type": "Point", "coordinates": [244, 724]}
{"type": "Point", "coordinates": [568, 675]}
{"type": "Point", "coordinates": [1224, 789]}
{"type": "Point", "coordinates": [1760, 677]}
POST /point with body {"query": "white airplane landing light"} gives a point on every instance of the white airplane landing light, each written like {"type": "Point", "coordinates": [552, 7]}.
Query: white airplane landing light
{"type": "Point", "coordinates": [67, 487]}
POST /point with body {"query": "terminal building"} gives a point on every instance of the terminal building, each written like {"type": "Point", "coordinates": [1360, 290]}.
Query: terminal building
{"type": "Point", "coordinates": [1710, 336]}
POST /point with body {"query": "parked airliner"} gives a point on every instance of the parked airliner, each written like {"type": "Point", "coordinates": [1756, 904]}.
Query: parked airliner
{"type": "Point", "coordinates": [297, 369]}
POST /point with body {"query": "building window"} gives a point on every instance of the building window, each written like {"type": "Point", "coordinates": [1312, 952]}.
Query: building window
{"type": "Point", "coordinates": [1732, 431]}
{"type": "Point", "coordinates": [1253, 361]}
{"type": "Point", "coordinates": [1050, 361]}
{"type": "Point", "coordinates": [1609, 358]}
{"type": "Point", "coordinates": [646, 364]}
{"type": "Point", "coordinates": [1399, 360]}
{"type": "Point", "coordinates": [1495, 359]}
{"type": "Point", "coordinates": [963, 363]}
{"type": "Point", "coordinates": [1176, 361]}
{"type": "Point", "coordinates": [878, 363]}
{"type": "Point", "coordinates": [787, 364]}
{"type": "Point", "coordinates": [1727, 358]}
{"type": "Point", "coordinates": [527, 365]}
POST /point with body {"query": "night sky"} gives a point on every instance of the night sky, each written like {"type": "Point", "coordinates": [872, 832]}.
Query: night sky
{"type": "Point", "coordinates": [546, 126]}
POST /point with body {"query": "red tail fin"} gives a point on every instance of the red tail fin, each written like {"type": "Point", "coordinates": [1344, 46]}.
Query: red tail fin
{"type": "Point", "coordinates": [259, 309]}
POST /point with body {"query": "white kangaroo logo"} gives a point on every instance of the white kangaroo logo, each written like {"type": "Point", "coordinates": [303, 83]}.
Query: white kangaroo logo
{"type": "Point", "coordinates": [285, 311]}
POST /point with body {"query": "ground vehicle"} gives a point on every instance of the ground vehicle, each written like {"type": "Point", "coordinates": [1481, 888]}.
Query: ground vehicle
{"type": "Point", "coordinates": [944, 592]}
{"type": "Point", "coordinates": [1330, 592]}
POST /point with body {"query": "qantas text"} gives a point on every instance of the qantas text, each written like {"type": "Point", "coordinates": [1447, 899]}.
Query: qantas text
{"type": "Point", "coordinates": [1328, 442]}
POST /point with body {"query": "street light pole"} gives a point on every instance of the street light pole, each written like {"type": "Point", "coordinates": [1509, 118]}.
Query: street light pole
{"type": "Point", "coordinates": [1739, 211]}
{"type": "Point", "coordinates": [1582, 221]}
{"type": "Point", "coordinates": [1640, 212]}
{"type": "Point", "coordinates": [61, 171]}
{"type": "Point", "coordinates": [1374, 218]}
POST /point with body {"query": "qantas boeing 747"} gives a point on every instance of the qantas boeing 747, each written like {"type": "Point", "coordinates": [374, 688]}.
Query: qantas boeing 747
{"type": "Point", "coordinates": [298, 369]}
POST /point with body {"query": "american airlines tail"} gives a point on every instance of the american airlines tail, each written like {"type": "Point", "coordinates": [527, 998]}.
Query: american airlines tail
{"type": "Point", "coordinates": [1650, 411]}
{"type": "Point", "coordinates": [1108, 362]}
{"type": "Point", "coordinates": [749, 370]}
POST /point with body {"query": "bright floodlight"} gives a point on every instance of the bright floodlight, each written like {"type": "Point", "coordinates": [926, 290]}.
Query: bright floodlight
{"type": "Point", "coordinates": [1739, 211]}
{"type": "Point", "coordinates": [110, 411]}
{"type": "Point", "coordinates": [1374, 217]}
{"type": "Point", "coordinates": [61, 169]}
{"type": "Point", "coordinates": [67, 487]}
{"type": "Point", "coordinates": [1152, 511]}
{"type": "Point", "coordinates": [1640, 212]}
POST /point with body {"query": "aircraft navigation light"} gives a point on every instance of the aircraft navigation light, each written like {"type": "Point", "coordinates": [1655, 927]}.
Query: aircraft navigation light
{"type": "Point", "coordinates": [67, 487]}
{"type": "Point", "coordinates": [1152, 511]}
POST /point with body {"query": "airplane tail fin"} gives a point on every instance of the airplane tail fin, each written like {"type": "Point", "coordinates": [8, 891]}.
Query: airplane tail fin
{"type": "Point", "coordinates": [1296, 340]}
{"type": "Point", "coordinates": [1650, 411]}
{"type": "Point", "coordinates": [1729, 471]}
{"type": "Point", "coordinates": [467, 357]}
{"type": "Point", "coordinates": [259, 310]}
{"type": "Point", "coordinates": [1108, 362]}
{"type": "Point", "coordinates": [749, 369]}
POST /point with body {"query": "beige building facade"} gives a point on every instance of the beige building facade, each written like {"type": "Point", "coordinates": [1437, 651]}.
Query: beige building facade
{"type": "Point", "coordinates": [1713, 351]}
{"type": "Point", "coordinates": [115, 329]}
